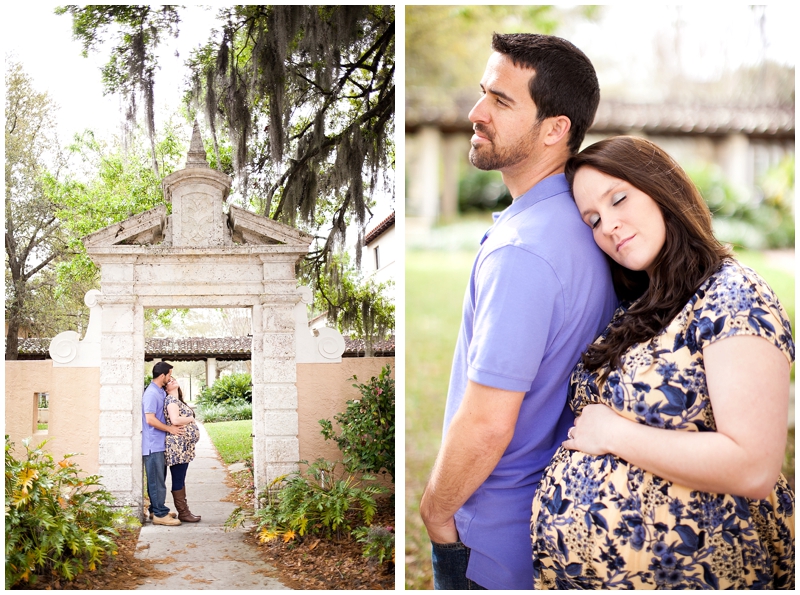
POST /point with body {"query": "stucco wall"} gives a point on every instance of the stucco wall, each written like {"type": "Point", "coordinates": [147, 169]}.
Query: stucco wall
{"type": "Point", "coordinates": [323, 391]}
{"type": "Point", "coordinates": [74, 409]}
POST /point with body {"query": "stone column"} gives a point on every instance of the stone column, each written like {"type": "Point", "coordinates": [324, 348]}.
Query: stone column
{"type": "Point", "coordinates": [211, 371]}
{"type": "Point", "coordinates": [453, 151]}
{"type": "Point", "coordinates": [424, 178]}
{"type": "Point", "coordinates": [276, 448]}
{"type": "Point", "coordinates": [733, 155]}
{"type": "Point", "coordinates": [121, 378]}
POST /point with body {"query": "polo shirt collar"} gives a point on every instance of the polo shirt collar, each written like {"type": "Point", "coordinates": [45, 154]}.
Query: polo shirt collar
{"type": "Point", "coordinates": [550, 186]}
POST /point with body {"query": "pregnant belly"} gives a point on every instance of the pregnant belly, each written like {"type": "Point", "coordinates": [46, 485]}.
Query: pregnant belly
{"type": "Point", "coordinates": [599, 522]}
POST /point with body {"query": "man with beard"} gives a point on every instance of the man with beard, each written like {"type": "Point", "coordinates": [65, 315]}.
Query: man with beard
{"type": "Point", "coordinates": [539, 293]}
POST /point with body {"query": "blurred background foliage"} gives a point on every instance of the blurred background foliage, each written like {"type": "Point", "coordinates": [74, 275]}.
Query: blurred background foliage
{"type": "Point", "coordinates": [759, 219]}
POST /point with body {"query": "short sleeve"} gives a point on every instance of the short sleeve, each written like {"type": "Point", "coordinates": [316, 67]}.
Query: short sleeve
{"type": "Point", "coordinates": [737, 301]}
{"type": "Point", "coordinates": [167, 400]}
{"type": "Point", "coordinates": [150, 401]}
{"type": "Point", "coordinates": [518, 304]}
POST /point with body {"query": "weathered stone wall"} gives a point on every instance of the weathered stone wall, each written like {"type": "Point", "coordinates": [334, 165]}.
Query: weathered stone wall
{"type": "Point", "coordinates": [324, 390]}
{"type": "Point", "coordinates": [74, 409]}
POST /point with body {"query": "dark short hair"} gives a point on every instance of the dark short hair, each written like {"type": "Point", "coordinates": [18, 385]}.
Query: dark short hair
{"type": "Point", "coordinates": [160, 369]}
{"type": "Point", "coordinates": [565, 83]}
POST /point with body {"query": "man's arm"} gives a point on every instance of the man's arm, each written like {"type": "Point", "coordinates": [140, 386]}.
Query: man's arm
{"type": "Point", "coordinates": [152, 420]}
{"type": "Point", "coordinates": [477, 437]}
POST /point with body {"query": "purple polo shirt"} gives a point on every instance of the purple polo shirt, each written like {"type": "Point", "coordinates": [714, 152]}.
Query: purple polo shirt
{"type": "Point", "coordinates": [153, 440]}
{"type": "Point", "coordinates": [540, 292]}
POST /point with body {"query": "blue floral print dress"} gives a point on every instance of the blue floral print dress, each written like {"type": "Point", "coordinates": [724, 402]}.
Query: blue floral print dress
{"type": "Point", "coordinates": [180, 449]}
{"type": "Point", "coordinates": [600, 522]}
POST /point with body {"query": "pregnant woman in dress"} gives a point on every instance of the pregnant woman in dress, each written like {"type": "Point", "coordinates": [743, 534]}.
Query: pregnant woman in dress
{"type": "Point", "coordinates": [670, 477]}
{"type": "Point", "coordinates": [180, 448]}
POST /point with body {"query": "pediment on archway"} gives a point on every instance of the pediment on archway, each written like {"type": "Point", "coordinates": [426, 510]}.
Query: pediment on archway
{"type": "Point", "coordinates": [142, 229]}
{"type": "Point", "coordinates": [249, 228]}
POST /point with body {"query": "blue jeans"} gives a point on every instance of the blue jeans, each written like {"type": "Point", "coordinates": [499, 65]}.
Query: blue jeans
{"type": "Point", "coordinates": [178, 474]}
{"type": "Point", "coordinates": [450, 567]}
{"type": "Point", "coordinates": [156, 468]}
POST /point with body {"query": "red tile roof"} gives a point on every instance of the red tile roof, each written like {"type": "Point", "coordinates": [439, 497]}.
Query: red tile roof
{"type": "Point", "coordinates": [200, 348]}
{"type": "Point", "coordinates": [616, 116]}
{"type": "Point", "coordinates": [379, 229]}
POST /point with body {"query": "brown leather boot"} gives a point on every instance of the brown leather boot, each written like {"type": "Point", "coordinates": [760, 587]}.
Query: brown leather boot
{"type": "Point", "coordinates": [184, 514]}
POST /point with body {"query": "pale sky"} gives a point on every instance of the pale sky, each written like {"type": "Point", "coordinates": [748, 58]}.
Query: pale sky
{"type": "Point", "coordinates": [711, 39]}
{"type": "Point", "coordinates": [53, 59]}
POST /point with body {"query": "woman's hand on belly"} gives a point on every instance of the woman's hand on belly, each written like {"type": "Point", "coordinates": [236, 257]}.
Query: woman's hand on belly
{"type": "Point", "coordinates": [592, 429]}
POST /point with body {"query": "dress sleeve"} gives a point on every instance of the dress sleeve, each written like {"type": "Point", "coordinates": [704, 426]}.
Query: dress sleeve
{"type": "Point", "coordinates": [738, 301]}
{"type": "Point", "coordinates": [167, 401]}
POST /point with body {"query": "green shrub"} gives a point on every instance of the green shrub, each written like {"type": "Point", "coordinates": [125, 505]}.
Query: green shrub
{"type": "Point", "coordinates": [480, 190]}
{"type": "Point", "coordinates": [226, 389]}
{"type": "Point", "coordinates": [230, 411]}
{"type": "Point", "coordinates": [56, 521]}
{"type": "Point", "coordinates": [758, 222]}
{"type": "Point", "coordinates": [321, 501]}
{"type": "Point", "coordinates": [378, 542]}
{"type": "Point", "coordinates": [367, 427]}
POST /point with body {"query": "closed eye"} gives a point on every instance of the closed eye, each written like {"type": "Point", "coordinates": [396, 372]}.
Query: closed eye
{"type": "Point", "coordinates": [593, 221]}
{"type": "Point", "coordinates": [618, 198]}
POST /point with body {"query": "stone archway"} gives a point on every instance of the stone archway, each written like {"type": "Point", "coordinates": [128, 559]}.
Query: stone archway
{"type": "Point", "coordinates": [201, 257]}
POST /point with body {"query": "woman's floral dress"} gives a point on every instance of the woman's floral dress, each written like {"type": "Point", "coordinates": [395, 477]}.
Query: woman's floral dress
{"type": "Point", "coordinates": [600, 522]}
{"type": "Point", "coordinates": [180, 449]}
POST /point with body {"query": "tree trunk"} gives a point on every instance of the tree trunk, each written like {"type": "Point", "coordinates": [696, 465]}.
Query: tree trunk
{"type": "Point", "coordinates": [12, 339]}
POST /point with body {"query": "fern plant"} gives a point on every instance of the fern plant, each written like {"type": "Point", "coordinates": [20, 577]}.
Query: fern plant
{"type": "Point", "coordinates": [56, 521]}
{"type": "Point", "coordinates": [322, 501]}
{"type": "Point", "coordinates": [378, 542]}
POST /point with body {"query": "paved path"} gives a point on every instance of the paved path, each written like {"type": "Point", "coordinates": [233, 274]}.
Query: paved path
{"type": "Point", "coordinates": [202, 555]}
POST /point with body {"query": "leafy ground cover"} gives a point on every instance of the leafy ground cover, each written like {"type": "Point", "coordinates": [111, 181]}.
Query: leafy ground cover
{"type": "Point", "coordinates": [435, 284]}
{"type": "Point", "coordinates": [61, 530]}
{"type": "Point", "coordinates": [124, 572]}
{"type": "Point", "coordinates": [312, 562]}
{"type": "Point", "coordinates": [232, 439]}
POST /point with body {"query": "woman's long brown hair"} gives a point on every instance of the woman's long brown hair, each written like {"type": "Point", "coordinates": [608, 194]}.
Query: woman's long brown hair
{"type": "Point", "coordinates": [690, 254]}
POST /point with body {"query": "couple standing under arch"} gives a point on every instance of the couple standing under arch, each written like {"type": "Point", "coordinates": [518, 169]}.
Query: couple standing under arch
{"type": "Point", "coordinates": [169, 436]}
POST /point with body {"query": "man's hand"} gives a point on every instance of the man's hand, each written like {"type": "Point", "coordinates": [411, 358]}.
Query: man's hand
{"type": "Point", "coordinates": [439, 530]}
{"type": "Point", "coordinates": [153, 421]}
{"type": "Point", "coordinates": [480, 431]}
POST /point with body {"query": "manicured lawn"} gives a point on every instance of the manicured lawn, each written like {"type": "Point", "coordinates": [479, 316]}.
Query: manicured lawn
{"type": "Point", "coordinates": [232, 439]}
{"type": "Point", "coordinates": [435, 285]}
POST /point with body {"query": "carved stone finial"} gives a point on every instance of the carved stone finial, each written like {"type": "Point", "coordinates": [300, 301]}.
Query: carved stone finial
{"type": "Point", "coordinates": [197, 153]}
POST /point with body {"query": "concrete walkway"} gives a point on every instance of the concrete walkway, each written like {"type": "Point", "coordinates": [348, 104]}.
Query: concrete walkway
{"type": "Point", "coordinates": [202, 555]}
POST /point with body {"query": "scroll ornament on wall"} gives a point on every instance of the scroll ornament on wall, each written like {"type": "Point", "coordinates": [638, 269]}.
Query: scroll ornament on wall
{"type": "Point", "coordinates": [68, 350]}
{"type": "Point", "coordinates": [322, 345]}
